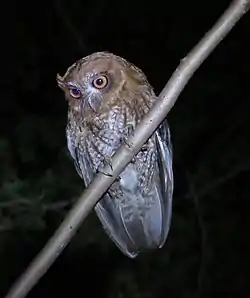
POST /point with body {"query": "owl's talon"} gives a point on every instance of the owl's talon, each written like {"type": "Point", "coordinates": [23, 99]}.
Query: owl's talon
{"type": "Point", "coordinates": [108, 161]}
{"type": "Point", "coordinates": [102, 172]}
{"type": "Point", "coordinates": [126, 143]}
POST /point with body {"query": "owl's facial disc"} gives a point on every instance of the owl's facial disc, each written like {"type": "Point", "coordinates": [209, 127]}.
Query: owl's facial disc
{"type": "Point", "coordinates": [87, 88]}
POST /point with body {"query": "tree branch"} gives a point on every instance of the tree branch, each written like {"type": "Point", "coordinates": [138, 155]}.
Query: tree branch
{"type": "Point", "coordinates": [124, 154]}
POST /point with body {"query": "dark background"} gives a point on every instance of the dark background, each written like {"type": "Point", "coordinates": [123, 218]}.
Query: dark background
{"type": "Point", "coordinates": [207, 252]}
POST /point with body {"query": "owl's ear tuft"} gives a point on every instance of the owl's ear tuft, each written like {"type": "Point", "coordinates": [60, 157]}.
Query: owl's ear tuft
{"type": "Point", "coordinates": [60, 81]}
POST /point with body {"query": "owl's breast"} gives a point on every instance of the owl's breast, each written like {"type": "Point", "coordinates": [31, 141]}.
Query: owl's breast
{"type": "Point", "coordinates": [100, 146]}
{"type": "Point", "coordinates": [96, 139]}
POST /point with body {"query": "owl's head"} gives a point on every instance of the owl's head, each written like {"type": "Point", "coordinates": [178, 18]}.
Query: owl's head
{"type": "Point", "coordinates": [99, 80]}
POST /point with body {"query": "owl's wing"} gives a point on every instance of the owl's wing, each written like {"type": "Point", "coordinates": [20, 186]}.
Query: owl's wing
{"type": "Point", "coordinates": [165, 160]}
{"type": "Point", "coordinates": [151, 229]}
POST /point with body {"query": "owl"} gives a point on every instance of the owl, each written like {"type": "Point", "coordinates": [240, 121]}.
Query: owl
{"type": "Point", "coordinates": [107, 97]}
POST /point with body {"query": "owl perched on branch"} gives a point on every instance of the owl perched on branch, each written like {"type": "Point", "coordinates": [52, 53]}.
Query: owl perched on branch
{"type": "Point", "coordinates": [107, 97]}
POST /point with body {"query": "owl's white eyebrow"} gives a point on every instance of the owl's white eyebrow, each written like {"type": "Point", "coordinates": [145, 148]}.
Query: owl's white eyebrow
{"type": "Point", "coordinates": [74, 85]}
{"type": "Point", "coordinates": [90, 75]}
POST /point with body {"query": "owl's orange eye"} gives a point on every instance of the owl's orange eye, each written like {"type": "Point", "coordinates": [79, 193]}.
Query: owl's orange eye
{"type": "Point", "coordinates": [100, 82]}
{"type": "Point", "coordinates": [75, 92]}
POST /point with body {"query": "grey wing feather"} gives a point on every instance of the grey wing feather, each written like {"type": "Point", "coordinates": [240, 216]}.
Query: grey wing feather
{"type": "Point", "coordinates": [165, 161]}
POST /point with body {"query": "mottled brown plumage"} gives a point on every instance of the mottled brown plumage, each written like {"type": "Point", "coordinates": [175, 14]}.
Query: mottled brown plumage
{"type": "Point", "coordinates": [107, 98]}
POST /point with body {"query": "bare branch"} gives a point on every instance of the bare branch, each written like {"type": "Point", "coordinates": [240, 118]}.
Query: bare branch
{"type": "Point", "coordinates": [143, 131]}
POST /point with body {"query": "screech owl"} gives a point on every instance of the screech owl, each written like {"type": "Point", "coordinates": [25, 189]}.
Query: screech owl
{"type": "Point", "coordinates": [107, 97]}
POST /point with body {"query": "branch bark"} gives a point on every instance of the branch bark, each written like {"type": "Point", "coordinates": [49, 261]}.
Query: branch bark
{"type": "Point", "coordinates": [125, 153]}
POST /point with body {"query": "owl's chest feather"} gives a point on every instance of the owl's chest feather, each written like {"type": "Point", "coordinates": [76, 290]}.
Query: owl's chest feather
{"type": "Point", "coordinates": [99, 137]}
{"type": "Point", "coordinates": [96, 141]}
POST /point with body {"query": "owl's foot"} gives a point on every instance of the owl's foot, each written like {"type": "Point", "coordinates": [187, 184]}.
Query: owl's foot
{"type": "Point", "coordinates": [102, 172]}
{"type": "Point", "coordinates": [124, 141]}
{"type": "Point", "coordinates": [106, 161]}
{"type": "Point", "coordinates": [117, 179]}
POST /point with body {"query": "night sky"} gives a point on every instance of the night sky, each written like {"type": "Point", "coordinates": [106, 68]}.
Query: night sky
{"type": "Point", "coordinates": [207, 251]}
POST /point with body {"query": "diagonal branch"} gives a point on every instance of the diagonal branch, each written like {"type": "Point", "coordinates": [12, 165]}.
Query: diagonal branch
{"type": "Point", "coordinates": [124, 154]}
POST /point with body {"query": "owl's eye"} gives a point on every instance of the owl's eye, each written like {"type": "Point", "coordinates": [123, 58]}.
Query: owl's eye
{"type": "Point", "coordinates": [100, 82]}
{"type": "Point", "coordinates": [75, 92]}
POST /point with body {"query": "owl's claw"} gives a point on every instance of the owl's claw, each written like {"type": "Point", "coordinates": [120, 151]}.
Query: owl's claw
{"type": "Point", "coordinates": [117, 179]}
{"type": "Point", "coordinates": [124, 140]}
{"type": "Point", "coordinates": [102, 172]}
{"type": "Point", "coordinates": [106, 160]}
